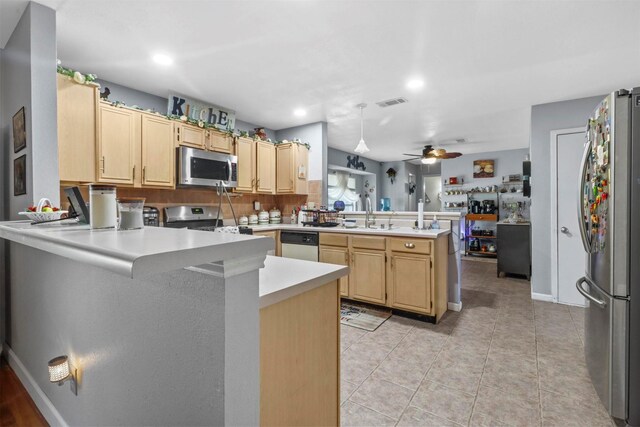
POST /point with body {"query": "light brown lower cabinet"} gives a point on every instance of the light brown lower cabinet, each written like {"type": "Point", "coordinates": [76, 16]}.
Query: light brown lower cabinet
{"type": "Point", "coordinates": [275, 235]}
{"type": "Point", "coordinates": [367, 280]}
{"type": "Point", "coordinates": [410, 279]}
{"type": "Point", "coordinates": [404, 273]}
{"type": "Point", "coordinates": [300, 360]}
{"type": "Point", "coordinates": [339, 256]}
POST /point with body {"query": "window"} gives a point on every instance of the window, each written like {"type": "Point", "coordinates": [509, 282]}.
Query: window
{"type": "Point", "coordinates": [342, 186]}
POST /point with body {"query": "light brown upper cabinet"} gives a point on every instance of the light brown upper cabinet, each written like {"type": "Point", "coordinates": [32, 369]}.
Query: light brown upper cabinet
{"type": "Point", "coordinates": [77, 107]}
{"type": "Point", "coordinates": [189, 135]}
{"type": "Point", "coordinates": [265, 167]}
{"type": "Point", "coordinates": [117, 143]}
{"type": "Point", "coordinates": [219, 141]}
{"type": "Point", "coordinates": [158, 153]}
{"type": "Point", "coordinates": [246, 153]}
{"type": "Point", "coordinates": [292, 168]}
{"type": "Point", "coordinates": [256, 166]}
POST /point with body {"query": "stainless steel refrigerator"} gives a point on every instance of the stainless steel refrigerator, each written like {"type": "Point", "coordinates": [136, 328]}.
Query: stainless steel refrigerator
{"type": "Point", "coordinates": [609, 205]}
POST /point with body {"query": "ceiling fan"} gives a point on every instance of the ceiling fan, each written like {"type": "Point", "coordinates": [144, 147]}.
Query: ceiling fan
{"type": "Point", "coordinates": [430, 155]}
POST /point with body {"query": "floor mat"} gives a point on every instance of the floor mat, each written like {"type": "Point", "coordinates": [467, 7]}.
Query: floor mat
{"type": "Point", "coordinates": [362, 317]}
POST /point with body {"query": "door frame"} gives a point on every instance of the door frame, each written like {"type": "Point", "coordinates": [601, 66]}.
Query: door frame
{"type": "Point", "coordinates": [554, 134]}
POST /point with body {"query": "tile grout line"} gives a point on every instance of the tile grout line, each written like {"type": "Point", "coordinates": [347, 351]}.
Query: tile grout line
{"type": "Point", "coordinates": [425, 375]}
{"type": "Point", "coordinates": [475, 398]}
{"type": "Point", "coordinates": [374, 369]}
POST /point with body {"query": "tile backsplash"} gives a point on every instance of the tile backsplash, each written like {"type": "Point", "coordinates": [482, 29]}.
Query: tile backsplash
{"type": "Point", "coordinates": [242, 203]}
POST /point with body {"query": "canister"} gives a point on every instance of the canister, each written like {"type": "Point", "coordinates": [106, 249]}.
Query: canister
{"type": "Point", "coordinates": [103, 210]}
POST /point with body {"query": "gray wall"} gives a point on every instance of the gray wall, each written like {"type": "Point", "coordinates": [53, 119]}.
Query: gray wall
{"type": "Point", "coordinates": [544, 119]}
{"type": "Point", "coordinates": [146, 101]}
{"type": "Point", "coordinates": [339, 158]}
{"type": "Point", "coordinates": [396, 191]}
{"type": "Point", "coordinates": [507, 162]}
{"type": "Point", "coordinates": [3, 217]}
{"type": "Point", "coordinates": [29, 80]}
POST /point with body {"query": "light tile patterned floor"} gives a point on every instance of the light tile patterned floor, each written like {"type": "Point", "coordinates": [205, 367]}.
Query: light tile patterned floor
{"type": "Point", "coordinates": [504, 360]}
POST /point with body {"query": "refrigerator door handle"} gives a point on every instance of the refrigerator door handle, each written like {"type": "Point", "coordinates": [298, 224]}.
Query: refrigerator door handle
{"type": "Point", "coordinates": [583, 232]}
{"type": "Point", "coordinates": [586, 294]}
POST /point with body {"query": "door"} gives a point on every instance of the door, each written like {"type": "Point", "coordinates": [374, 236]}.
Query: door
{"type": "Point", "coordinates": [116, 145]}
{"type": "Point", "coordinates": [368, 275]}
{"type": "Point", "coordinates": [158, 154]}
{"type": "Point", "coordinates": [265, 167]}
{"type": "Point", "coordinates": [284, 172]}
{"type": "Point", "coordinates": [339, 256]}
{"type": "Point", "coordinates": [245, 151]}
{"type": "Point", "coordinates": [432, 187]}
{"type": "Point", "coordinates": [411, 282]}
{"type": "Point", "coordinates": [571, 257]}
{"type": "Point", "coordinates": [606, 346]}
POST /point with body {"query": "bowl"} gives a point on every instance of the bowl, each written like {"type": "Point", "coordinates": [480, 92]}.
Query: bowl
{"type": "Point", "coordinates": [39, 216]}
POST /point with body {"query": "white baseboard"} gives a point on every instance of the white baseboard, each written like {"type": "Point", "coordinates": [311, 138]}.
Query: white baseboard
{"type": "Point", "coordinates": [542, 297]}
{"type": "Point", "coordinates": [454, 306]}
{"type": "Point", "coordinates": [48, 411]}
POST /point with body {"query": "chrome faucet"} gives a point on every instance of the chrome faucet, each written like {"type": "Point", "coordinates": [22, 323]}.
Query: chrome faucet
{"type": "Point", "coordinates": [369, 223]}
{"type": "Point", "coordinates": [390, 217]}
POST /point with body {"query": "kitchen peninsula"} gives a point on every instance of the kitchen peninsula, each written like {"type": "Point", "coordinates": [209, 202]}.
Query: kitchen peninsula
{"type": "Point", "coordinates": [188, 323]}
{"type": "Point", "coordinates": [416, 271]}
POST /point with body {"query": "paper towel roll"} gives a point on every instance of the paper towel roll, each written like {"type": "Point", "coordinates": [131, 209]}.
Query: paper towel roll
{"type": "Point", "coordinates": [420, 215]}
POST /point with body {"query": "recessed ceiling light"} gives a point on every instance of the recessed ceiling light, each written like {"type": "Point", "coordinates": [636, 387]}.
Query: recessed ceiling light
{"type": "Point", "coordinates": [415, 84]}
{"type": "Point", "coordinates": [162, 59]}
{"type": "Point", "coordinates": [299, 112]}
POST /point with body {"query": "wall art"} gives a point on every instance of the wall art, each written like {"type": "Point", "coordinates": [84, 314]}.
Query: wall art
{"type": "Point", "coordinates": [19, 131]}
{"type": "Point", "coordinates": [483, 168]}
{"type": "Point", "coordinates": [20, 175]}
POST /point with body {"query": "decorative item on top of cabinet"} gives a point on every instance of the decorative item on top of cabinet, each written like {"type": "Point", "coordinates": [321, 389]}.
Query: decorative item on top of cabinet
{"type": "Point", "coordinates": [292, 164]}
{"type": "Point", "coordinates": [189, 135]}
{"type": "Point", "coordinates": [219, 141]}
{"type": "Point", "coordinates": [117, 142]}
{"type": "Point", "coordinates": [77, 112]}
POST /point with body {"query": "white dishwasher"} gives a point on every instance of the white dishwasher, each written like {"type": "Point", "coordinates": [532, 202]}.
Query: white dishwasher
{"type": "Point", "coordinates": [299, 245]}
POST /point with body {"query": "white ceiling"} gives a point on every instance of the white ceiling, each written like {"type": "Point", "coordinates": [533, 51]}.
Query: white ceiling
{"type": "Point", "coordinates": [484, 63]}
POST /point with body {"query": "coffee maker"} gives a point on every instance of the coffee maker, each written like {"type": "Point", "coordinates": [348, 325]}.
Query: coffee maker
{"type": "Point", "coordinates": [476, 207]}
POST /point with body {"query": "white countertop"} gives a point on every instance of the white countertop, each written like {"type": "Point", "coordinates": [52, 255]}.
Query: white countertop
{"type": "Point", "coordinates": [400, 231]}
{"type": "Point", "coordinates": [134, 253]}
{"type": "Point", "coordinates": [283, 278]}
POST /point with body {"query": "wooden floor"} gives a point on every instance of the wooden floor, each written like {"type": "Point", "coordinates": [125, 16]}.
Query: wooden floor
{"type": "Point", "coordinates": [16, 407]}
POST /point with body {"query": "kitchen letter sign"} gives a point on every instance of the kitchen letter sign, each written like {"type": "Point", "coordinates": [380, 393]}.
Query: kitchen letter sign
{"type": "Point", "coordinates": [180, 105]}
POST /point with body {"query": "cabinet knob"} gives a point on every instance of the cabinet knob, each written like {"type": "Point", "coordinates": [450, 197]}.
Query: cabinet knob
{"type": "Point", "coordinates": [409, 245]}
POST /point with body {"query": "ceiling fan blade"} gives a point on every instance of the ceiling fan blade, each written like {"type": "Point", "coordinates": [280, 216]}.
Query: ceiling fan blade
{"type": "Point", "coordinates": [451, 155]}
{"type": "Point", "coordinates": [413, 158]}
{"type": "Point", "coordinates": [407, 154]}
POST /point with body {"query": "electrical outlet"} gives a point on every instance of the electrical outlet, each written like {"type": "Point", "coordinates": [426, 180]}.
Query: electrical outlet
{"type": "Point", "coordinates": [256, 205]}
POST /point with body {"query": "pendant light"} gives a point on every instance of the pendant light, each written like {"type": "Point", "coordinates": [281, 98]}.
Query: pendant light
{"type": "Point", "coordinates": [362, 146]}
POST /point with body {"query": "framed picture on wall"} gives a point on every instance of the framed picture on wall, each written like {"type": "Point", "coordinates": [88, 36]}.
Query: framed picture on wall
{"type": "Point", "coordinates": [483, 169]}
{"type": "Point", "coordinates": [20, 175]}
{"type": "Point", "coordinates": [19, 131]}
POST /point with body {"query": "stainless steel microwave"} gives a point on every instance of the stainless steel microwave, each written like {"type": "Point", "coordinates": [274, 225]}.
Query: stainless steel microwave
{"type": "Point", "coordinates": [205, 168]}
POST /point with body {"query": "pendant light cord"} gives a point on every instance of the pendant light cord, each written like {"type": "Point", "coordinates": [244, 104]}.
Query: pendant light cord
{"type": "Point", "coordinates": [361, 123]}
